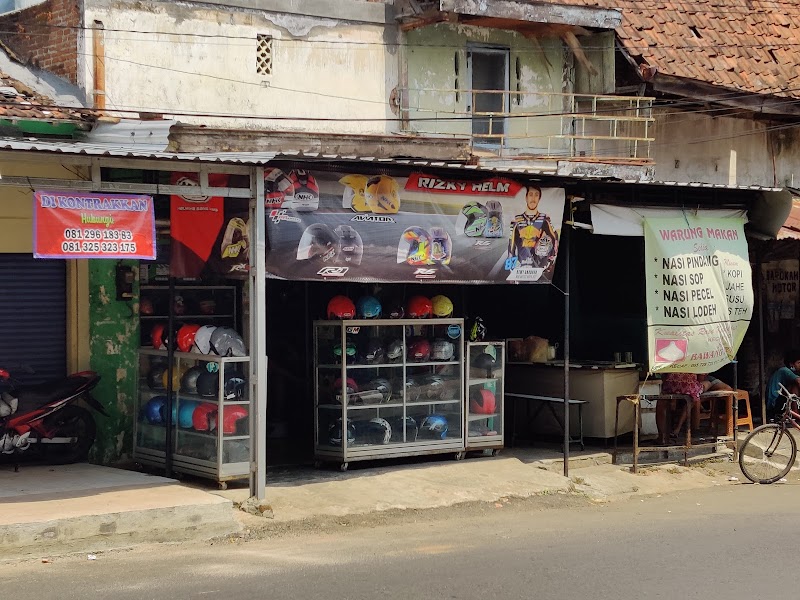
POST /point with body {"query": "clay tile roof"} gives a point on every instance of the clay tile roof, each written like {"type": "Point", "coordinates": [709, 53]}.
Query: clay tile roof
{"type": "Point", "coordinates": [729, 40]}
{"type": "Point", "coordinates": [19, 102]}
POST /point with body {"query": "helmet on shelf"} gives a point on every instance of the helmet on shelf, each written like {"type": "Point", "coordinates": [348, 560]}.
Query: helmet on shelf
{"type": "Point", "coordinates": [225, 341]}
{"type": "Point", "coordinates": [208, 384]}
{"type": "Point", "coordinates": [441, 245]}
{"type": "Point", "coordinates": [318, 241]}
{"type": "Point", "coordinates": [442, 349]}
{"type": "Point", "coordinates": [396, 311]}
{"type": "Point", "coordinates": [394, 351]}
{"type": "Point", "coordinates": [186, 412]}
{"type": "Point", "coordinates": [474, 218]}
{"type": "Point", "coordinates": [376, 431]}
{"type": "Point", "coordinates": [433, 387]}
{"type": "Point", "coordinates": [335, 433]}
{"type": "Point", "coordinates": [203, 415]}
{"type": "Point", "coordinates": [397, 425]}
{"type": "Point", "coordinates": [368, 307]}
{"type": "Point", "coordinates": [382, 194]}
{"type": "Point", "coordinates": [341, 307]}
{"type": "Point", "coordinates": [234, 386]}
{"type": "Point", "coordinates": [414, 247]}
{"type": "Point", "coordinates": [482, 401]}
{"type": "Point", "coordinates": [186, 335]}
{"type": "Point", "coordinates": [305, 191]}
{"type": "Point", "coordinates": [189, 380]}
{"type": "Point", "coordinates": [350, 248]}
{"type": "Point", "coordinates": [152, 410]}
{"type": "Point", "coordinates": [484, 360]}
{"type": "Point", "coordinates": [146, 306]}
{"type": "Point", "coordinates": [233, 417]}
{"type": "Point", "coordinates": [413, 389]}
{"type": "Point", "coordinates": [476, 330]}
{"type": "Point", "coordinates": [350, 351]}
{"type": "Point", "coordinates": [177, 376]}
{"type": "Point", "coordinates": [441, 306]}
{"type": "Point", "coordinates": [351, 387]}
{"type": "Point", "coordinates": [202, 339]}
{"type": "Point", "coordinates": [382, 386]}
{"type": "Point", "coordinates": [158, 336]}
{"type": "Point", "coordinates": [375, 353]}
{"type": "Point", "coordinates": [419, 350]}
{"type": "Point", "coordinates": [434, 426]}
{"type": "Point", "coordinates": [155, 378]}
{"type": "Point", "coordinates": [419, 307]}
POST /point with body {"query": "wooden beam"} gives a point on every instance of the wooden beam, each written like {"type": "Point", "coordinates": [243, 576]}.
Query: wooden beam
{"type": "Point", "coordinates": [425, 19]}
{"type": "Point", "coordinates": [537, 13]}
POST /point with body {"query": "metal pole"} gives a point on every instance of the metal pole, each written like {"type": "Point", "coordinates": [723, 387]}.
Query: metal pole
{"type": "Point", "coordinates": [762, 384]}
{"type": "Point", "coordinates": [565, 252]}
{"type": "Point", "coordinates": [168, 434]}
{"type": "Point", "coordinates": [258, 337]}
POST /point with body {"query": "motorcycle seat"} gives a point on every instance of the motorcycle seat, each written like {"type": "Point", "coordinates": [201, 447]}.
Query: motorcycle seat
{"type": "Point", "coordinates": [33, 396]}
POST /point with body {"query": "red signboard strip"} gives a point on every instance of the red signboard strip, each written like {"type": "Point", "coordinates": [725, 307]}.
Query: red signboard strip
{"type": "Point", "coordinates": [83, 225]}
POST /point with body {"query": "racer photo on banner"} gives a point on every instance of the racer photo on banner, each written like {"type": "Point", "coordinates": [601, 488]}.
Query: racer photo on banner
{"type": "Point", "coordinates": [371, 228]}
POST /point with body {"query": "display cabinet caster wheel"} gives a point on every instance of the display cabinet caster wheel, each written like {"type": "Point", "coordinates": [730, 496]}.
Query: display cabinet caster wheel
{"type": "Point", "coordinates": [223, 485]}
{"type": "Point", "coordinates": [343, 467]}
{"type": "Point", "coordinates": [459, 455]}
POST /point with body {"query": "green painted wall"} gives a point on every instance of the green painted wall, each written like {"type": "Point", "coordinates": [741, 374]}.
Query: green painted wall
{"type": "Point", "coordinates": [114, 344]}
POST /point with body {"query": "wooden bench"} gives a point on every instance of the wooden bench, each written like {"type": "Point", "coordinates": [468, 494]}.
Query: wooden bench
{"type": "Point", "coordinates": [550, 402]}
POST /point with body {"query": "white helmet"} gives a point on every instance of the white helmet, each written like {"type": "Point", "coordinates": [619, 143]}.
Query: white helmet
{"type": "Point", "coordinates": [202, 340]}
{"type": "Point", "coordinates": [384, 425]}
{"type": "Point", "coordinates": [442, 350]}
{"type": "Point", "coordinates": [225, 341]}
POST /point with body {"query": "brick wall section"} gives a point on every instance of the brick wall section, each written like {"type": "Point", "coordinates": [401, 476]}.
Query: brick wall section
{"type": "Point", "coordinates": [46, 36]}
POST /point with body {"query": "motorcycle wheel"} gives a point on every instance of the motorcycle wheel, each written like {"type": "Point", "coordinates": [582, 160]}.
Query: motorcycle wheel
{"type": "Point", "coordinates": [70, 421]}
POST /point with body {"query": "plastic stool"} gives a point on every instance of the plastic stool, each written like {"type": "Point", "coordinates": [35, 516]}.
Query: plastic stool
{"type": "Point", "coordinates": [742, 418]}
{"type": "Point", "coordinates": [747, 419]}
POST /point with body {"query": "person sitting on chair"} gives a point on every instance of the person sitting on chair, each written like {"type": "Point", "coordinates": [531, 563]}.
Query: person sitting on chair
{"type": "Point", "coordinates": [690, 384]}
{"type": "Point", "coordinates": [787, 376]}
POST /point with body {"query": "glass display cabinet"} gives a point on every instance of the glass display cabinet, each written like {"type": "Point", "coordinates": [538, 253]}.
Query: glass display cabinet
{"type": "Point", "coordinates": [388, 388]}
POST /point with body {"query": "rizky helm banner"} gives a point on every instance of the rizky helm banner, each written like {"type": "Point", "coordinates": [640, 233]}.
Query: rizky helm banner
{"type": "Point", "coordinates": [77, 225]}
{"type": "Point", "coordinates": [326, 226]}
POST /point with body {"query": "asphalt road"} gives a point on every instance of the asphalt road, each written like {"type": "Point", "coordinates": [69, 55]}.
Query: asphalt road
{"type": "Point", "coordinates": [727, 542]}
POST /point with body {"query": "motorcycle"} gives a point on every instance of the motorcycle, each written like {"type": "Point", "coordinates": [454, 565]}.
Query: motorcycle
{"type": "Point", "coordinates": [46, 417]}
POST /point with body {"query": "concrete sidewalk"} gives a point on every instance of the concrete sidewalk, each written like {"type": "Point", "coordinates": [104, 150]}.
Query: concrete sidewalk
{"type": "Point", "coordinates": [49, 510]}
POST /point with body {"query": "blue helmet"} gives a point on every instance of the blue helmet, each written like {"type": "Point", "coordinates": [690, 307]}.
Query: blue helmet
{"type": "Point", "coordinates": [434, 427]}
{"type": "Point", "coordinates": [152, 409]}
{"type": "Point", "coordinates": [186, 412]}
{"type": "Point", "coordinates": [368, 307]}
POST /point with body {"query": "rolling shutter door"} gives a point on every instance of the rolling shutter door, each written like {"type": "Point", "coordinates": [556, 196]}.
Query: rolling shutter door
{"type": "Point", "coordinates": [33, 316]}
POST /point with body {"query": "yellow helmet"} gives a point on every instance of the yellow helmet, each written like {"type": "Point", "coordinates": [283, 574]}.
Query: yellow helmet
{"type": "Point", "coordinates": [442, 306]}
{"type": "Point", "coordinates": [383, 194]}
{"type": "Point", "coordinates": [177, 374]}
{"type": "Point", "coordinates": [354, 192]}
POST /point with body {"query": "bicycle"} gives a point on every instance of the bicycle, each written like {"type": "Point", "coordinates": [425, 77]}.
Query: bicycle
{"type": "Point", "coordinates": [768, 453]}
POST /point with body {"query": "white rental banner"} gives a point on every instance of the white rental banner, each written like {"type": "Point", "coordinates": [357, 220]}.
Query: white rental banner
{"type": "Point", "coordinates": [699, 291]}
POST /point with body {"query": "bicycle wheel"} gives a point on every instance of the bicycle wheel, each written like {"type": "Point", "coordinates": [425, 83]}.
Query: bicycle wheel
{"type": "Point", "coordinates": [767, 454]}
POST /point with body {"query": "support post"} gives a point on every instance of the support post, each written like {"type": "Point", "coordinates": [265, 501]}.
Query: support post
{"type": "Point", "coordinates": [169, 439]}
{"type": "Point", "coordinates": [762, 384]}
{"type": "Point", "coordinates": [565, 239]}
{"type": "Point", "coordinates": [258, 337]}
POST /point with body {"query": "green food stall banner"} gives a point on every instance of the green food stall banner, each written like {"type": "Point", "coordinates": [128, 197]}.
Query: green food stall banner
{"type": "Point", "coordinates": [699, 292]}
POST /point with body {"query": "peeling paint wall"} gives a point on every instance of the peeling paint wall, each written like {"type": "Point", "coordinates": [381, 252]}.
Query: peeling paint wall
{"type": "Point", "coordinates": [114, 344]}
{"type": "Point", "coordinates": [203, 61]}
{"type": "Point", "coordinates": [536, 68]}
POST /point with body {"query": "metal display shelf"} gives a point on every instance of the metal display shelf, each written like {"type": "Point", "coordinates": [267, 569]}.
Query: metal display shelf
{"type": "Point", "coordinates": [485, 430]}
{"type": "Point", "coordinates": [348, 432]}
{"type": "Point", "coordinates": [212, 454]}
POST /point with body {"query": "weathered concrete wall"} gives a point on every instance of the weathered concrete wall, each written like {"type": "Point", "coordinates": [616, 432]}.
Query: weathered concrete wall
{"type": "Point", "coordinates": [114, 343]}
{"type": "Point", "coordinates": [203, 60]}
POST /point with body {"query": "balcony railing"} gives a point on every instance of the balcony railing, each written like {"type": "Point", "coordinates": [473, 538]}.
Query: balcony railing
{"type": "Point", "coordinates": [535, 124]}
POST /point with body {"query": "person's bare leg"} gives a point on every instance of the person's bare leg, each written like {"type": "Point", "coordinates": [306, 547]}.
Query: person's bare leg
{"type": "Point", "coordinates": [662, 420]}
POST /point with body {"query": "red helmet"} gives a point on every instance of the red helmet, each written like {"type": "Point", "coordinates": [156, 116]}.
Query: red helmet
{"type": "Point", "coordinates": [341, 307]}
{"type": "Point", "coordinates": [419, 307]}
{"type": "Point", "coordinates": [482, 402]}
{"type": "Point", "coordinates": [204, 416]}
{"type": "Point", "coordinates": [351, 387]}
{"type": "Point", "coordinates": [146, 306]}
{"type": "Point", "coordinates": [419, 350]}
{"type": "Point", "coordinates": [231, 417]}
{"type": "Point", "coordinates": [186, 337]}
{"type": "Point", "coordinates": [157, 336]}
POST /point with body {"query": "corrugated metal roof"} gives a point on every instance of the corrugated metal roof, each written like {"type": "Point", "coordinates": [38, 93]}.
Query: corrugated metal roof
{"type": "Point", "coordinates": [263, 158]}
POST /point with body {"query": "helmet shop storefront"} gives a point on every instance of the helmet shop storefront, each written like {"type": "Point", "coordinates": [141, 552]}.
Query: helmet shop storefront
{"type": "Point", "coordinates": [388, 306]}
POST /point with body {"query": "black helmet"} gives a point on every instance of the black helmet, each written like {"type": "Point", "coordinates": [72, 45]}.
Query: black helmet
{"type": "Point", "coordinates": [350, 248]}
{"type": "Point", "coordinates": [319, 242]}
{"type": "Point", "coordinates": [484, 361]}
{"type": "Point", "coordinates": [476, 330]}
{"type": "Point", "coordinates": [374, 354]}
{"type": "Point", "coordinates": [208, 384]}
{"type": "Point", "coordinates": [189, 380]}
{"type": "Point", "coordinates": [155, 378]}
{"type": "Point", "coordinates": [234, 386]}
